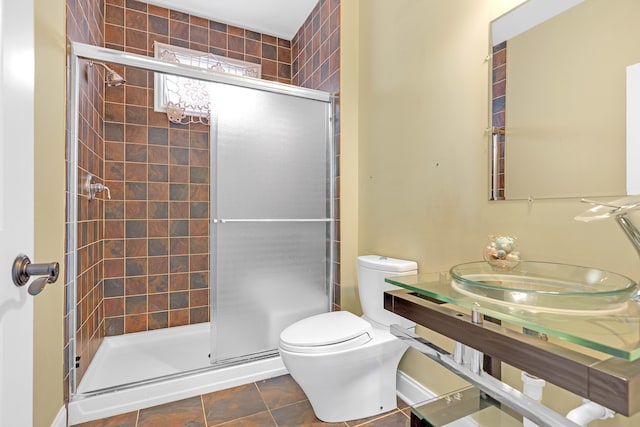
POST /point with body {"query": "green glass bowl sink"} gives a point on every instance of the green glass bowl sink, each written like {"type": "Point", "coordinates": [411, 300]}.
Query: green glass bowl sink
{"type": "Point", "coordinates": [545, 286]}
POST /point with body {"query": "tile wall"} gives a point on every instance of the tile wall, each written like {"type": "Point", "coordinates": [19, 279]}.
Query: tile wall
{"type": "Point", "coordinates": [315, 51]}
{"type": "Point", "coordinates": [156, 224]}
{"type": "Point", "coordinates": [134, 26]}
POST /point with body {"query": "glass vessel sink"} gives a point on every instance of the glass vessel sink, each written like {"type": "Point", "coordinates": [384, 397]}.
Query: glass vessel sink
{"type": "Point", "coordinates": [544, 286]}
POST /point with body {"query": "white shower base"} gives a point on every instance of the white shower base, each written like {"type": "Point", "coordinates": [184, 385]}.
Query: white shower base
{"type": "Point", "coordinates": [130, 358]}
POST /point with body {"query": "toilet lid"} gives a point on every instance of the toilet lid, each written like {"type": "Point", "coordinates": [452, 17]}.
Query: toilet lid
{"type": "Point", "coordinates": [325, 329]}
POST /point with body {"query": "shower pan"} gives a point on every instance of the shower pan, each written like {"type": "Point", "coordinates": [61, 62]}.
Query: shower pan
{"type": "Point", "coordinates": [265, 207]}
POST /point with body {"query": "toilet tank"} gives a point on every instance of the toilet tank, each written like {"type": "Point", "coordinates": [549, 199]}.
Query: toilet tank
{"type": "Point", "coordinates": [372, 270]}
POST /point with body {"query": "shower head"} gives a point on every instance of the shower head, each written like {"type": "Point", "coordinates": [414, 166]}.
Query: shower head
{"type": "Point", "coordinates": [111, 78]}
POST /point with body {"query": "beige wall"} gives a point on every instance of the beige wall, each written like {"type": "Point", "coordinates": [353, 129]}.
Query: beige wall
{"type": "Point", "coordinates": [49, 206]}
{"type": "Point", "coordinates": [349, 107]}
{"type": "Point", "coordinates": [415, 114]}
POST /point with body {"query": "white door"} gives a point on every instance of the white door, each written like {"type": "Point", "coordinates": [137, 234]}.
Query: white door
{"type": "Point", "coordinates": [16, 209]}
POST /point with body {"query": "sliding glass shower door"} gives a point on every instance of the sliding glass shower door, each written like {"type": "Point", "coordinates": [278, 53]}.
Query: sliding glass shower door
{"type": "Point", "coordinates": [272, 216]}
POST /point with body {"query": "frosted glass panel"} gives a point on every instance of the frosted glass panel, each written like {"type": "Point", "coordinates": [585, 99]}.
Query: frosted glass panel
{"type": "Point", "coordinates": [269, 276]}
{"type": "Point", "coordinates": [271, 190]}
{"type": "Point", "coordinates": [272, 154]}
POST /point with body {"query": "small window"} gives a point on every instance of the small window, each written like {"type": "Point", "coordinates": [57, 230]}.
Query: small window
{"type": "Point", "coordinates": [187, 100]}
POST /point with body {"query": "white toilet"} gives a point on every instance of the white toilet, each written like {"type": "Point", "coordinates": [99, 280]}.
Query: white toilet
{"type": "Point", "coordinates": [347, 364]}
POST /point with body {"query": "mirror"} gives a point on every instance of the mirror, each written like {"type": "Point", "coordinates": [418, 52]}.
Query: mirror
{"type": "Point", "coordinates": [562, 87]}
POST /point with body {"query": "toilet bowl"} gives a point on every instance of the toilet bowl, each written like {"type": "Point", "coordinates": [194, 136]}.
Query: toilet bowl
{"type": "Point", "coordinates": [346, 364]}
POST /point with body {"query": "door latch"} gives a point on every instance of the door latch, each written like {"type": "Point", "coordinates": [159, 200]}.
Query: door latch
{"type": "Point", "coordinates": [23, 269]}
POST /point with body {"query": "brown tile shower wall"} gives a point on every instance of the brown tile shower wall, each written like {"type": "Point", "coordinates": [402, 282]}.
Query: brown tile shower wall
{"type": "Point", "coordinates": [315, 63]}
{"type": "Point", "coordinates": [85, 24]}
{"type": "Point", "coordinates": [156, 225]}
{"type": "Point", "coordinates": [315, 49]}
{"type": "Point", "coordinates": [134, 26]}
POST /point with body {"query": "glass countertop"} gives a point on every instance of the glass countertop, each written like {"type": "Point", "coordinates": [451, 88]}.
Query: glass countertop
{"type": "Point", "coordinates": [613, 332]}
{"type": "Point", "coordinates": [466, 407]}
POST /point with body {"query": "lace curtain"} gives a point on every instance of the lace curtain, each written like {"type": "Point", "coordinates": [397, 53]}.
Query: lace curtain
{"type": "Point", "coordinates": [188, 100]}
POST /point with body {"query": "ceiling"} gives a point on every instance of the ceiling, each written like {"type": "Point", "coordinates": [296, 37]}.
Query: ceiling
{"type": "Point", "coordinates": [280, 18]}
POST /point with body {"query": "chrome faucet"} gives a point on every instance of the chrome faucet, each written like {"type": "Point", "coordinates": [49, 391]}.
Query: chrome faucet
{"type": "Point", "coordinates": [630, 230]}
{"type": "Point", "coordinates": [619, 209]}
{"type": "Point", "coordinates": [91, 187]}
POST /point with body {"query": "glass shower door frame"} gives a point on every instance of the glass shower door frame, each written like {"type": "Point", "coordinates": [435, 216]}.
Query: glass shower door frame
{"type": "Point", "coordinates": [81, 51]}
{"type": "Point", "coordinates": [219, 354]}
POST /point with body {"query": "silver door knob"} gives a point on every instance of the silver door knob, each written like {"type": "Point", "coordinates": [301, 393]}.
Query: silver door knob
{"type": "Point", "coordinates": [23, 269]}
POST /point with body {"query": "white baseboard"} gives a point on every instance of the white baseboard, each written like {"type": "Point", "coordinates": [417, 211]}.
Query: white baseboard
{"type": "Point", "coordinates": [410, 390]}
{"type": "Point", "coordinates": [61, 419]}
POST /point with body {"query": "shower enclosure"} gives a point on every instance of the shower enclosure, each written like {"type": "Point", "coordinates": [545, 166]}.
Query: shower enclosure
{"type": "Point", "coordinates": [271, 230]}
{"type": "Point", "coordinates": [262, 200]}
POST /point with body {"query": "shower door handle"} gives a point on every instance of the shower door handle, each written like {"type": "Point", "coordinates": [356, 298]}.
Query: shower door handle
{"type": "Point", "coordinates": [227, 220]}
{"type": "Point", "coordinates": [23, 269]}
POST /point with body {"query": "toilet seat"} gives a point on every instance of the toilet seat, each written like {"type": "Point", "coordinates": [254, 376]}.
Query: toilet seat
{"type": "Point", "coordinates": [326, 332]}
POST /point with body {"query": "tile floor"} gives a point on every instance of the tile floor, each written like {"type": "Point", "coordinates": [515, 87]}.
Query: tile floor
{"type": "Point", "coordinates": [275, 402]}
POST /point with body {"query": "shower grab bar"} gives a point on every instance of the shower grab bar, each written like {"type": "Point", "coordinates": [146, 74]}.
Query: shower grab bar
{"type": "Point", "coordinates": [223, 221]}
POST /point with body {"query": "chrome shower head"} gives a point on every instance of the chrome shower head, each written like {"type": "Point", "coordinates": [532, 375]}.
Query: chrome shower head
{"type": "Point", "coordinates": [111, 78]}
